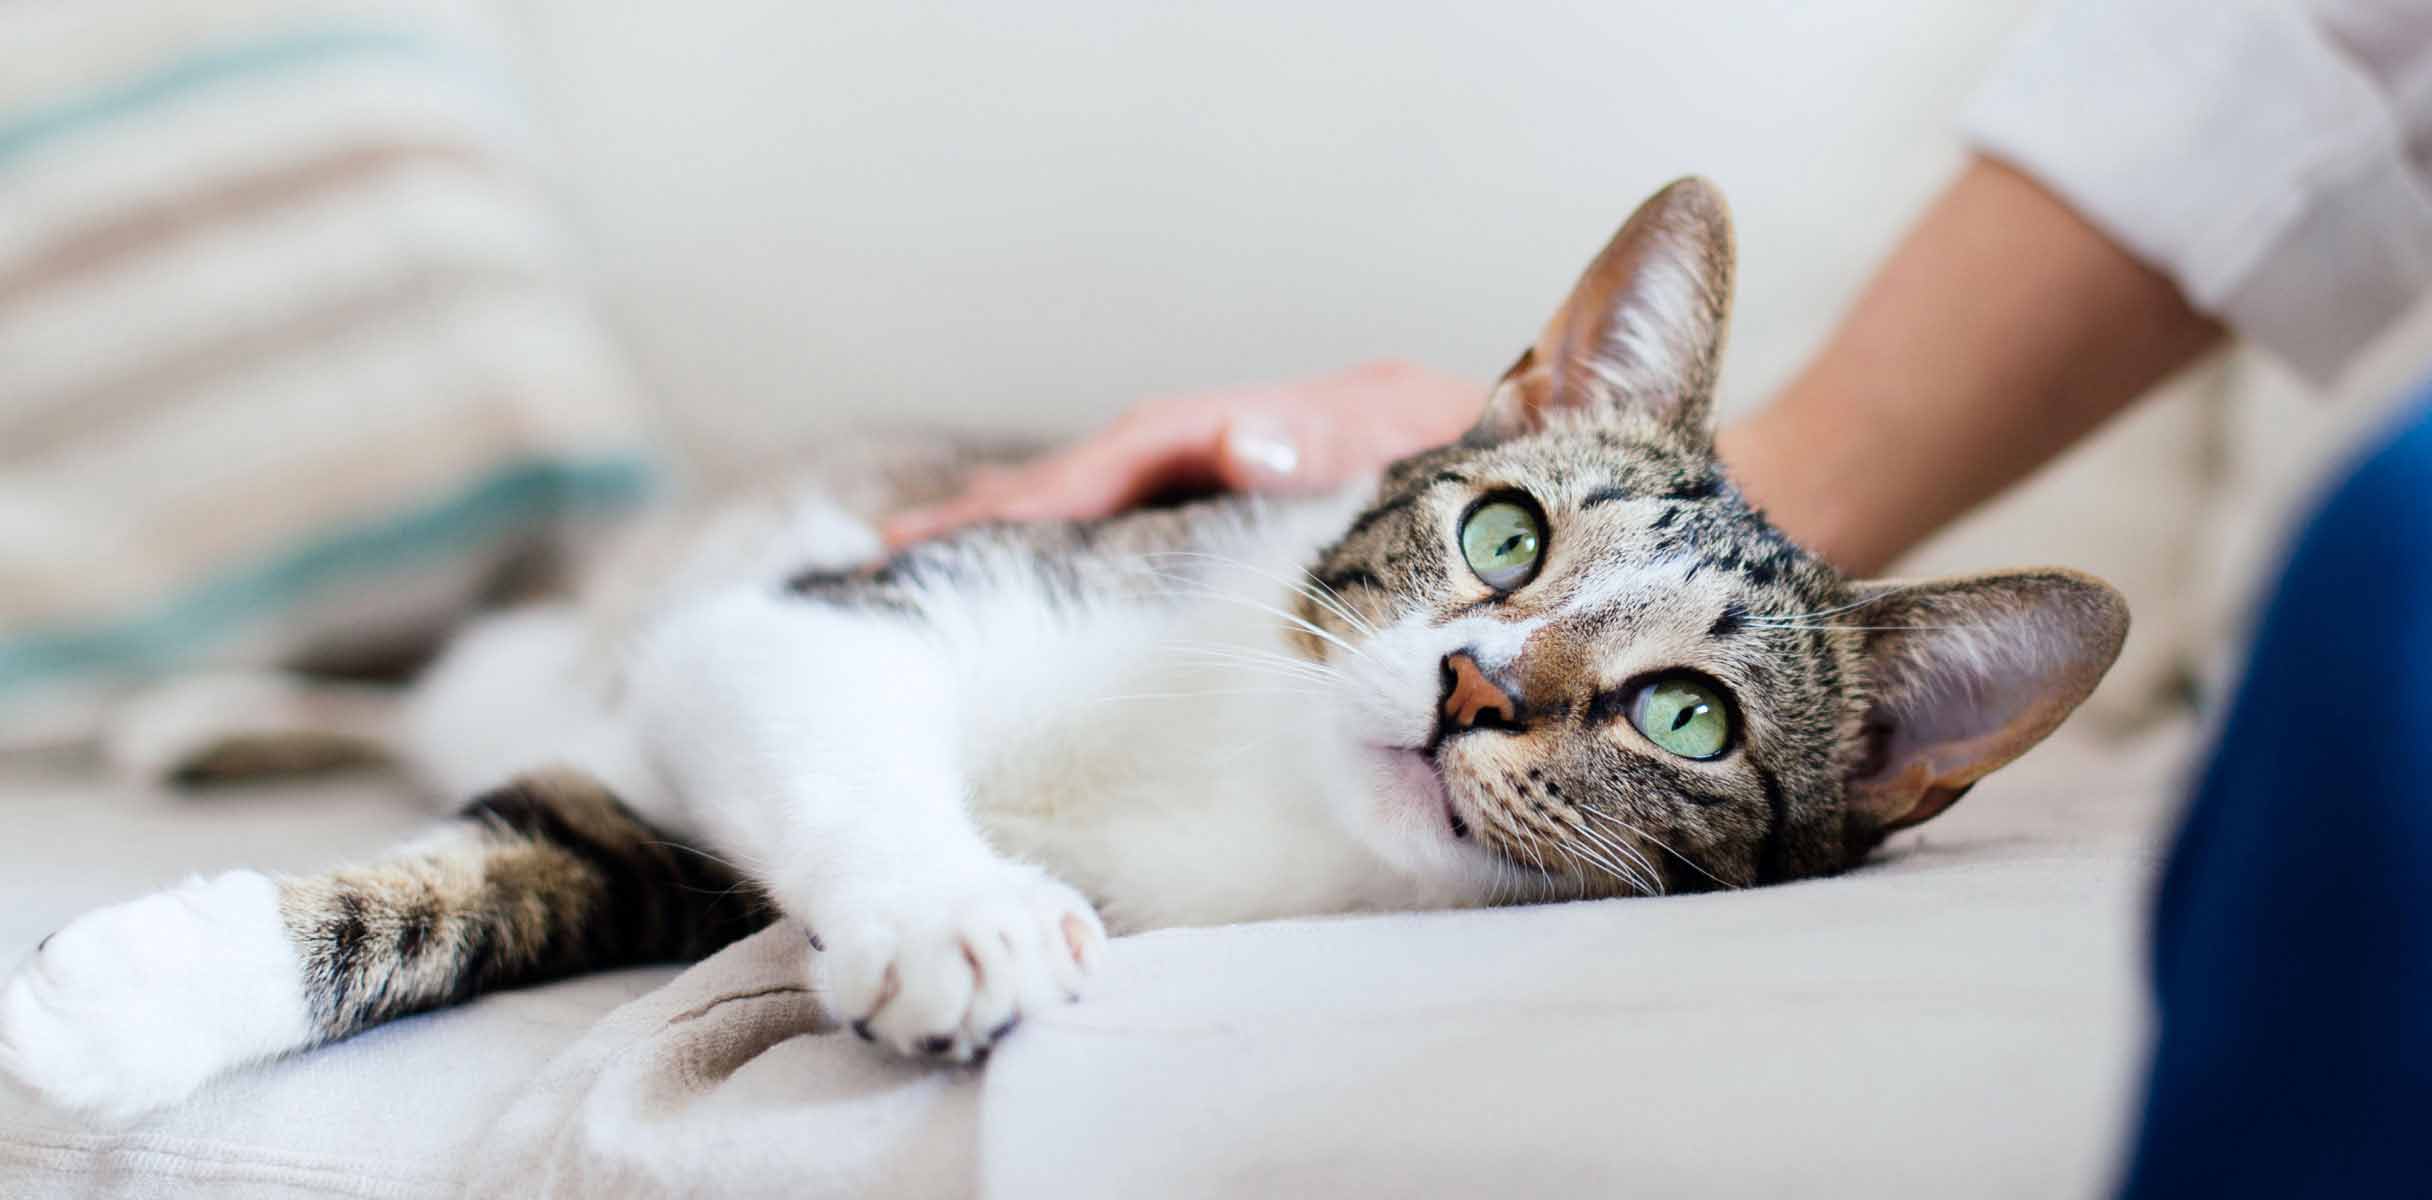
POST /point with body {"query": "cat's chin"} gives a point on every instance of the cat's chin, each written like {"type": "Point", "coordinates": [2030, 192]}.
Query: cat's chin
{"type": "Point", "coordinates": [1413, 780]}
{"type": "Point", "coordinates": [1406, 813]}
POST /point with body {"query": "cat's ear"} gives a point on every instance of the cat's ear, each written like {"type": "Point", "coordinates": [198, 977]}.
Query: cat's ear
{"type": "Point", "coordinates": [1968, 673]}
{"type": "Point", "coordinates": [1641, 335]}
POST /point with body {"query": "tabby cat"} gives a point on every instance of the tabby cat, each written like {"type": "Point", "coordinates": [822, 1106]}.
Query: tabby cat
{"type": "Point", "coordinates": [1561, 658]}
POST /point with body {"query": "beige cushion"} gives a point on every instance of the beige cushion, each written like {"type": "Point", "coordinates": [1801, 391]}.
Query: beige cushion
{"type": "Point", "coordinates": [288, 353]}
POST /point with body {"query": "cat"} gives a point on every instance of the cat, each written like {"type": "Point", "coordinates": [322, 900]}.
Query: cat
{"type": "Point", "coordinates": [1561, 658]}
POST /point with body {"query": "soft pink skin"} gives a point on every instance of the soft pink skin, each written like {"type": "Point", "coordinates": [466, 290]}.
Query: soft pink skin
{"type": "Point", "coordinates": [1417, 782]}
{"type": "Point", "coordinates": [1336, 427]}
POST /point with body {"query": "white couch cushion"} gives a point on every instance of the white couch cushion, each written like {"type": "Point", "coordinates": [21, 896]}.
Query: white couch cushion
{"type": "Point", "coordinates": [1961, 1017]}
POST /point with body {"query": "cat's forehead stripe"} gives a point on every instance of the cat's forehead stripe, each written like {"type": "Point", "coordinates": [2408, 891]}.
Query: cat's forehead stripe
{"type": "Point", "coordinates": [1735, 617]}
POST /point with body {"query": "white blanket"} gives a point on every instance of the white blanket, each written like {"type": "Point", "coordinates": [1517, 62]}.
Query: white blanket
{"type": "Point", "coordinates": [717, 1085]}
{"type": "Point", "coordinates": [1963, 1017]}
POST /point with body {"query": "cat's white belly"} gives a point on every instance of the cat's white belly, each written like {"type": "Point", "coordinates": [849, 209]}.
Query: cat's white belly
{"type": "Point", "coordinates": [1145, 758]}
{"type": "Point", "coordinates": [1162, 757]}
{"type": "Point", "coordinates": [1201, 818]}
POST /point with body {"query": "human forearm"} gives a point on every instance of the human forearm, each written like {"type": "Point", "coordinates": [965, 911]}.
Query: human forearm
{"type": "Point", "coordinates": [2001, 330]}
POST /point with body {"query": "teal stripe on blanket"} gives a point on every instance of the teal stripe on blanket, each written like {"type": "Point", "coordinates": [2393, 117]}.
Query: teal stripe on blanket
{"type": "Point", "coordinates": [512, 498]}
{"type": "Point", "coordinates": [200, 72]}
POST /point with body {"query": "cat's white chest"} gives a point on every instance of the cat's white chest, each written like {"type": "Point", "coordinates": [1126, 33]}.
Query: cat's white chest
{"type": "Point", "coordinates": [1160, 763]}
{"type": "Point", "coordinates": [1195, 819]}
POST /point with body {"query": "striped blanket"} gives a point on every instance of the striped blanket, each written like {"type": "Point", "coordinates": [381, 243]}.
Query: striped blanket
{"type": "Point", "coordinates": [290, 358]}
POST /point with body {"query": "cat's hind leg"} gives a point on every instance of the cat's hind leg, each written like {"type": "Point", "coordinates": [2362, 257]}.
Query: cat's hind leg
{"type": "Point", "coordinates": [234, 725]}
{"type": "Point", "coordinates": [131, 1007]}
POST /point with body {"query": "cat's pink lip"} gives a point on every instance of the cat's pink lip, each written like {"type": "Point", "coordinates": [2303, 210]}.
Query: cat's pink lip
{"type": "Point", "coordinates": [1416, 772]}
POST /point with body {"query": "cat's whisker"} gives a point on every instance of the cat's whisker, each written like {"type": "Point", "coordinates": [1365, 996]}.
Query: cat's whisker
{"type": "Point", "coordinates": [1519, 835]}
{"type": "Point", "coordinates": [1293, 620]}
{"type": "Point", "coordinates": [1211, 693]}
{"type": "Point", "coordinates": [1524, 887]}
{"type": "Point", "coordinates": [1302, 624]}
{"type": "Point", "coordinates": [1578, 848]}
{"type": "Point", "coordinates": [1246, 655]}
{"type": "Point", "coordinates": [1342, 605]}
{"type": "Point", "coordinates": [728, 863]}
{"type": "Point", "coordinates": [1296, 587]}
{"type": "Point", "coordinates": [1332, 601]}
{"type": "Point", "coordinates": [1539, 845]}
{"type": "Point", "coordinates": [1213, 672]}
{"type": "Point", "coordinates": [1861, 602]}
{"type": "Point", "coordinates": [1650, 879]}
{"type": "Point", "coordinates": [1210, 666]}
{"type": "Point", "coordinates": [1515, 879]}
{"type": "Point", "coordinates": [1846, 628]}
{"type": "Point", "coordinates": [1507, 829]}
{"type": "Point", "coordinates": [1660, 844]}
{"type": "Point", "coordinates": [722, 895]}
{"type": "Point", "coordinates": [1605, 864]}
{"type": "Point", "coordinates": [1532, 842]}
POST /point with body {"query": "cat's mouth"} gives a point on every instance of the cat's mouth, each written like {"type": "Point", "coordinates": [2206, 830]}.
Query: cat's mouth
{"type": "Point", "coordinates": [1418, 776]}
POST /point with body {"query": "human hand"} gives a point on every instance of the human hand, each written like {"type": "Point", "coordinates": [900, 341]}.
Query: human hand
{"type": "Point", "coordinates": [1292, 437]}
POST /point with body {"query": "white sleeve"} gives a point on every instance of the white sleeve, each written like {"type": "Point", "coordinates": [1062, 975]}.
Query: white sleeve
{"type": "Point", "coordinates": [2274, 157]}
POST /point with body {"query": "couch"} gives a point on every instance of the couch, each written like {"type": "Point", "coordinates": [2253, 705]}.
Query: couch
{"type": "Point", "coordinates": [795, 219]}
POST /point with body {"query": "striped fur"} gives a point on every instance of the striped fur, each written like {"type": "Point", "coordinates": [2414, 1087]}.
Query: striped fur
{"type": "Point", "coordinates": [545, 878]}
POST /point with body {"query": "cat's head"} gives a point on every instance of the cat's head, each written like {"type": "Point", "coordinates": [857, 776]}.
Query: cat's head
{"type": "Point", "coordinates": [1573, 660]}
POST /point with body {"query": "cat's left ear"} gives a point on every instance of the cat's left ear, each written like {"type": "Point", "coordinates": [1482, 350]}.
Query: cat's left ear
{"type": "Point", "coordinates": [1966, 674]}
{"type": "Point", "coordinates": [1640, 337]}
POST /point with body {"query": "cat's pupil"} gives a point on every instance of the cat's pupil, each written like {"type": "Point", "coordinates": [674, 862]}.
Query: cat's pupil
{"type": "Point", "coordinates": [1682, 716]}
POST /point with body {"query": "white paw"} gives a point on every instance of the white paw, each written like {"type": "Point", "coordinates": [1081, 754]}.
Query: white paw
{"type": "Point", "coordinates": [944, 972]}
{"type": "Point", "coordinates": [130, 1008]}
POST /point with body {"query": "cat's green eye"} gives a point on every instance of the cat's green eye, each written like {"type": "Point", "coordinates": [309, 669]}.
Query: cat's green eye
{"type": "Point", "coordinates": [1503, 541]}
{"type": "Point", "coordinates": [1682, 715]}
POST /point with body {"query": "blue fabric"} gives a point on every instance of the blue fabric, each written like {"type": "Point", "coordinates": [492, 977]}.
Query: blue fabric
{"type": "Point", "coordinates": [2292, 949]}
{"type": "Point", "coordinates": [518, 498]}
{"type": "Point", "coordinates": [212, 67]}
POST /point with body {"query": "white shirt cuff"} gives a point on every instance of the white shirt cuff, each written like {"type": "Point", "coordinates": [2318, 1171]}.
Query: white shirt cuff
{"type": "Point", "coordinates": [2235, 147]}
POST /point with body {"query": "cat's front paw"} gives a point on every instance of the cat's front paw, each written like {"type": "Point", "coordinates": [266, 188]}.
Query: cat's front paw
{"type": "Point", "coordinates": [130, 1008]}
{"type": "Point", "coordinates": [944, 972]}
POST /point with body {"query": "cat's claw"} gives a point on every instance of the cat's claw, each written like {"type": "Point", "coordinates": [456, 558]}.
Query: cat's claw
{"type": "Point", "coordinates": [943, 974]}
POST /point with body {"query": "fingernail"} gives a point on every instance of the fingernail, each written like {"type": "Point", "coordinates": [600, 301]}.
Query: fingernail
{"type": "Point", "coordinates": [1263, 447]}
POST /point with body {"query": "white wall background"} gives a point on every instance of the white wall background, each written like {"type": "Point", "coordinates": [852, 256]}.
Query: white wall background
{"type": "Point", "coordinates": [807, 216]}
{"type": "Point", "coordinates": [1026, 215]}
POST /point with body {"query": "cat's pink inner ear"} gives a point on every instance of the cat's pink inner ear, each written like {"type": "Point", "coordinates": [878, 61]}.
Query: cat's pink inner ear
{"type": "Point", "coordinates": [1967, 674]}
{"type": "Point", "coordinates": [1640, 338]}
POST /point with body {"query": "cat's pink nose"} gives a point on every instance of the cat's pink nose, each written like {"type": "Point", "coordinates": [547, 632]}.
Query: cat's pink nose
{"type": "Point", "coordinates": [1471, 700]}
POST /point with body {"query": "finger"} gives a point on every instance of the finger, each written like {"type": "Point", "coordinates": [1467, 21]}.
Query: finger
{"type": "Point", "coordinates": [984, 497]}
{"type": "Point", "coordinates": [1110, 471]}
{"type": "Point", "coordinates": [1029, 492]}
{"type": "Point", "coordinates": [1327, 433]}
{"type": "Point", "coordinates": [920, 524]}
{"type": "Point", "coordinates": [1104, 475]}
{"type": "Point", "coordinates": [1269, 452]}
